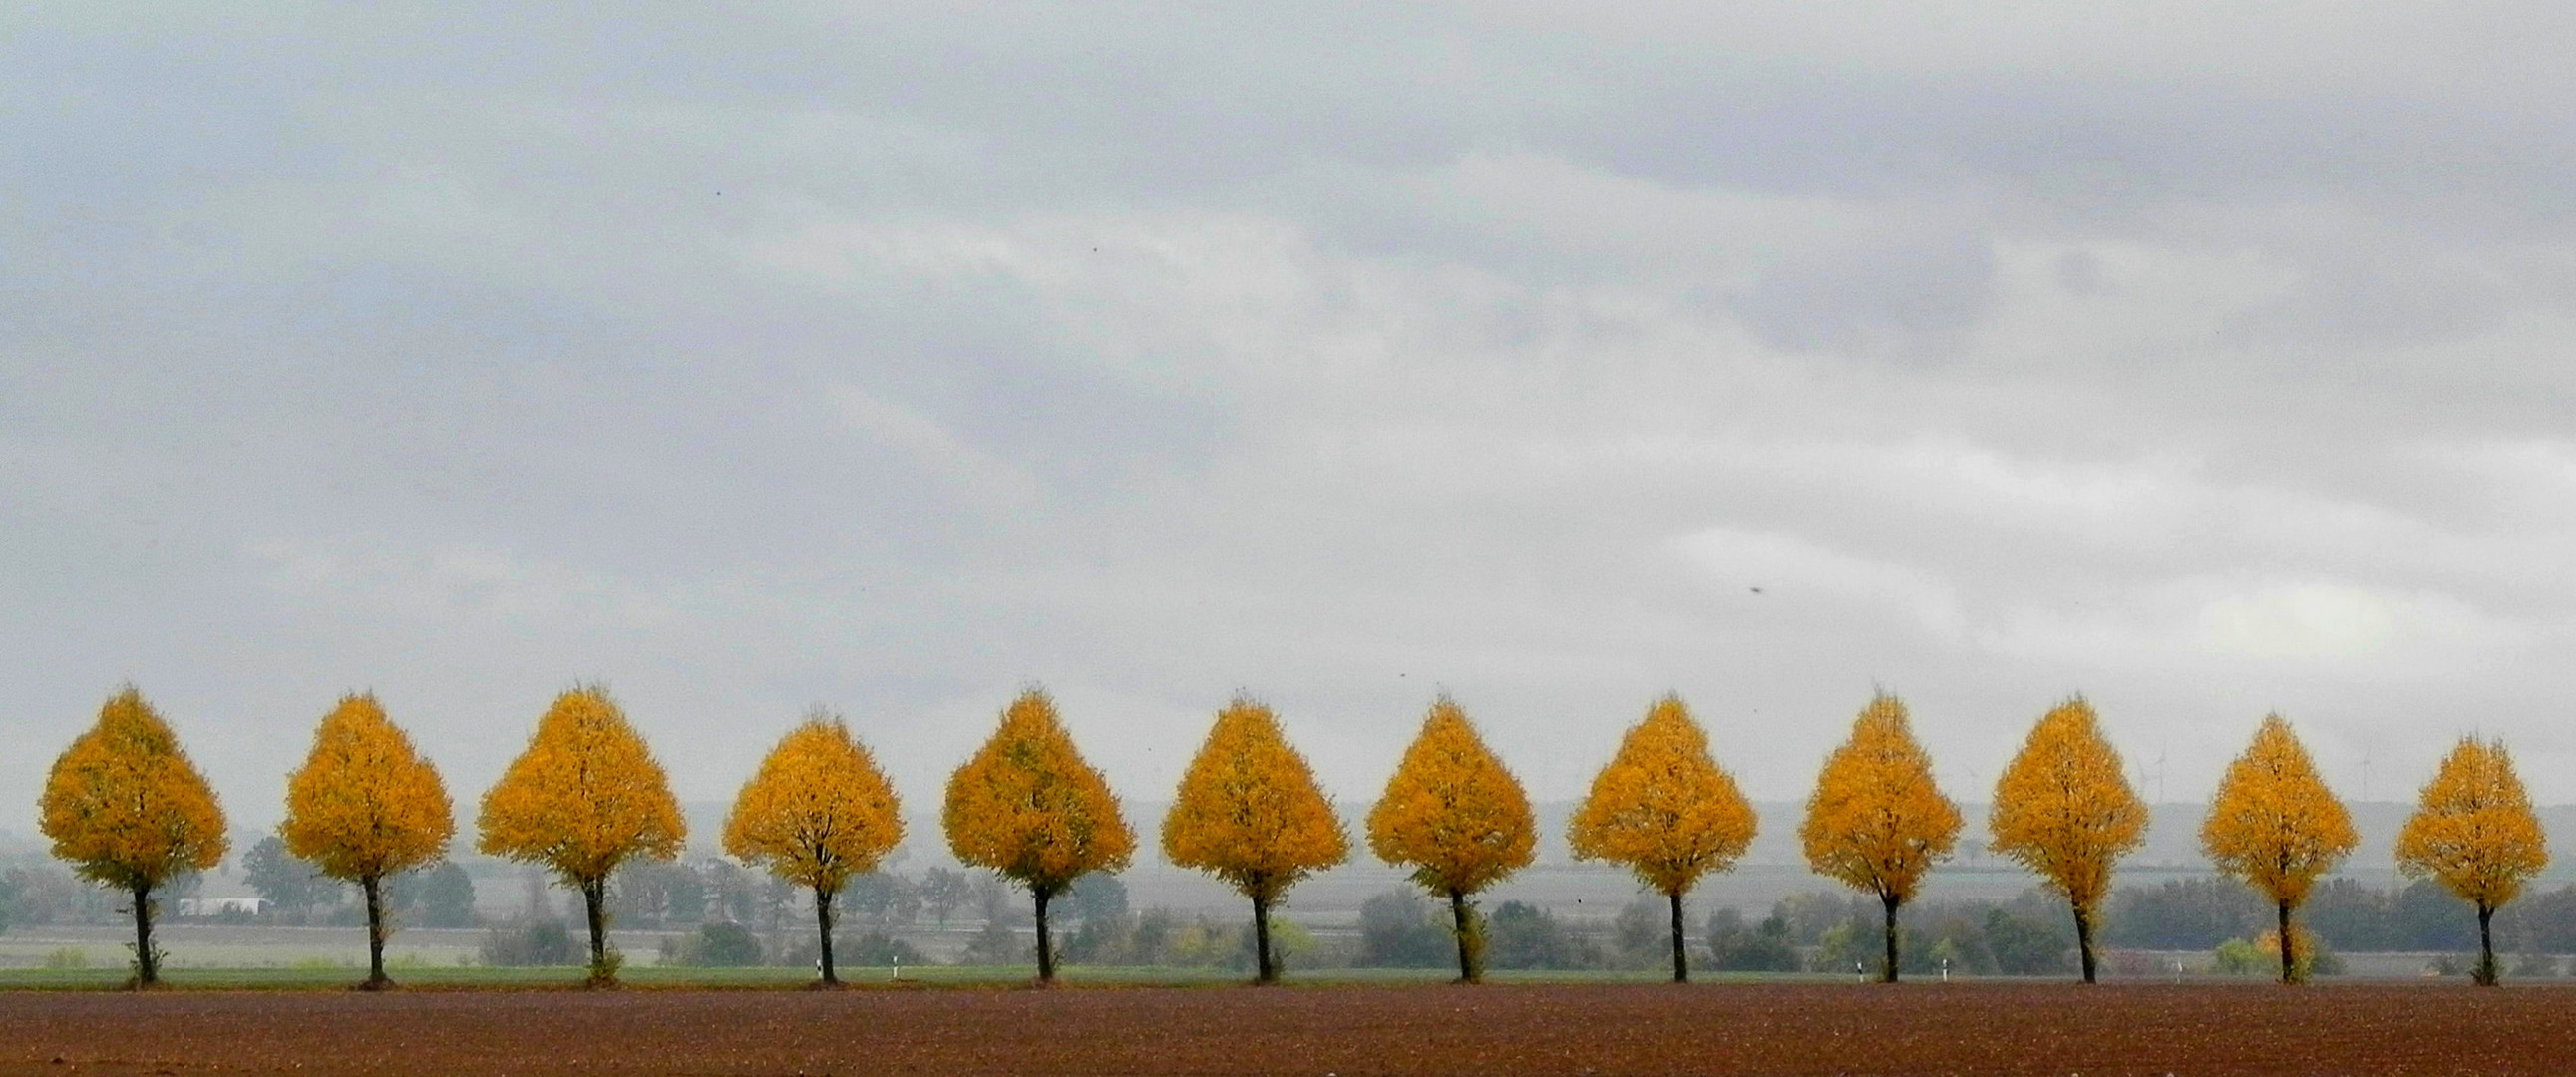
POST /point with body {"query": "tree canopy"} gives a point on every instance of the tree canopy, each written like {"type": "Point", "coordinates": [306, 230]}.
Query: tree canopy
{"type": "Point", "coordinates": [2274, 824]}
{"type": "Point", "coordinates": [365, 806]}
{"type": "Point", "coordinates": [1028, 806]}
{"type": "Point", "coordinates": [2064, 809]}
{"type": "Point", "coordinates": [585, 797]}
{"type": "Point", "coordinates": [1876, 821]}
{"type": "Point", "coordinates": [126, 808]}
{"type": "Point", "coordinates": [1455, 815]}
{"type": "Point", "coordinates": [2474, 832]}
{"type": "Point", "coordinates": [817, 812]}
{"type": "Point", "coordinates": [1664, 808]}
{"type": "Point", "coordinates": [1248, 811]}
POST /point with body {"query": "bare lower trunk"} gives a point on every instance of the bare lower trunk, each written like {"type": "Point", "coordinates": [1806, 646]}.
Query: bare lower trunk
{"type": "Point", "coordinates": [823, 924]}
{"type": "Point", "coordinates": [2486, 945]}
{"type": "Point", "coordinates": [1266, 967]}
{"type": "Point", "coordinates": [2084, 940]}
{"type": "Point", "coordinates": [1471, 949]}
{"type": "Point", "coordinates": [375, 890]}
{"type": "Point", "coordinates": [1681, 956]}
{"type": "Point", "coordinates": [2289, 948]}
{"type": "Point", "coordinates": [594, 901]}
{"type": "Point", "coordinates": [147, 962]}
{"type": "Point", "coordinates": [1887, 972]}
{"type": "Point", "coordinates": [1046, 952]}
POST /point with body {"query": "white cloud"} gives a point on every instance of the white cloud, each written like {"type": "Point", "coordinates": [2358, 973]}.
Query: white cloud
{"type": "Point", "coordinates": [979, 477]}
{"type": "Point", "coordinates": [2370, 630]}
{"type": "Point", "coordinates": [456, 584]}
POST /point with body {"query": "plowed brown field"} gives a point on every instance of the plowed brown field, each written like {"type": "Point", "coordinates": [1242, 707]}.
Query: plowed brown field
{"type": "Point", "coordinates": [1603, 1029]}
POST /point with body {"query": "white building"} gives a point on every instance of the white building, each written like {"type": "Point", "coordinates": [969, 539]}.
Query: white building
{"type": "Point", "coordinates": [217, 906]}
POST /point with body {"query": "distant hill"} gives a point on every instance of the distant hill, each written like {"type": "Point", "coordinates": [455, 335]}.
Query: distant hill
{"type": "Point", "coordinates": [2173, 835]}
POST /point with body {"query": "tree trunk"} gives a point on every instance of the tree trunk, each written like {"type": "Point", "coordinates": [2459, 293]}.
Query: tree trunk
{"type": "Point", "coordinates": [2486, 946]}
{"type": "Point", "coordinates": [2084, 940]}
{"type": "Point", "coordinates": [1266, 967]}
{"type": "Point", "coordinates": [1887, 973]}
{"type": "Point", "coordinates": [147, 963]}
{"type": "Point", "coordinates": [594, 900]}
{"type": "Point", "coordinates": [374, 887]}
{"type": "Point", "coordinates": [823, 924]}
{"type": "Point", "coordinates": [1046, 952]}
{"type": "Point", "coordinates": [1471, 949]}
{"type": "Point", "coordinates": [1681, 956]}
{"type": "Point", "coordinates": [2289, 966]}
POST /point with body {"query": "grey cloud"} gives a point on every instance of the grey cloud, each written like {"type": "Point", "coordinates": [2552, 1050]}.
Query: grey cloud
{"type": "Point", "coordinates": [891, 357]}
{"type": "Point", "coordinates": [2379, 300]}
{"type": "Point", "coordinates": [1913, 290]}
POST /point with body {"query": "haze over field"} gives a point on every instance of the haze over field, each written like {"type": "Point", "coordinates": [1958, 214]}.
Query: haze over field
{"type": "Point", "coordinates": [2204, 361]}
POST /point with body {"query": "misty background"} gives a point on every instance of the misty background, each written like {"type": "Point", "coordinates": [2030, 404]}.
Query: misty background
{"type": "Point", "coordinates": [2204, 361]}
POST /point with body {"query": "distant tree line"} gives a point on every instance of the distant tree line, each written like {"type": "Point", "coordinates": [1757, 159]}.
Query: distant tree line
{"type": "Point", "coordinates": [1828, 933]}
{"type": "Point", "coordinates": [1804, 933]}
{"type": "Point", "coordinates": [441, 896]}
{"type": "Point", "coordinates": [2423, 916]}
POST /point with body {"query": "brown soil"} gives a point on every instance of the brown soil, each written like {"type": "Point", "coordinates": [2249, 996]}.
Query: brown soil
{"type": "Point", "coordinates": [1348, 1031]}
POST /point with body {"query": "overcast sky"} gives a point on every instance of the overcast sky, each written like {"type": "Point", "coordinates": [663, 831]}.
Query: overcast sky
{"type": "Point", "coordinates": [2205, 359]}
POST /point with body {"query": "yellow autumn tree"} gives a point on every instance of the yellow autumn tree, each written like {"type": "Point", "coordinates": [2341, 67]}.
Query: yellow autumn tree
{"type": "Point", "coordinates": [1029, 807]}
{"type": "Point", "coordinates": [1249, 812]}
{"type": "Point", "coordinates": [2064, 809]}
{"type": "Point", "coordinates": [585, 797]}
{"type": "Point", "coordinates": [818, 812]}
{"type": "Point", "coordinates": [2275, 825]}
{"type": "Point", "coordinates": [127, 810]}
{"type": "Point", "coordinates": [366, 807]}
{"type": "Point", "coordinates": [1458, 819]}
{"type": "Point", "coordinates": [2474, 830]}
{"type": "Point", "coordinates": [1877, 821]}
{"type": "Point", "coordinates": [1667, 810]}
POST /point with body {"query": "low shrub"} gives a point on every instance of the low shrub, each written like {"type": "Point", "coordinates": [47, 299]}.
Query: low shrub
{"type": "Point", "coordinates": [1736, 947]}
{"type": "Point", "coordinates": [540, 943]}
{"type": "Point", "coordinates": [718, 945]}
